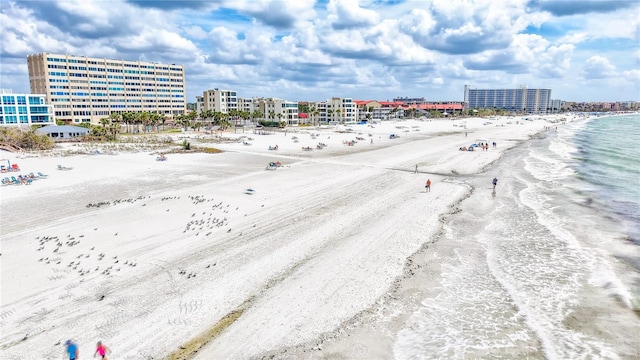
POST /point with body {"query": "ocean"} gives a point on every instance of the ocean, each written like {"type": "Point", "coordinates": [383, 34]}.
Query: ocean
{"type": "Point", "coordinates": [548, 265]}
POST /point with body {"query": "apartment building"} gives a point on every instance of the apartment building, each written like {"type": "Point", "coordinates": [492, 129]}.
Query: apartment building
{"type": "Point", "coordinates": [25, 109]}
{"type": "Point", "coordinates": [337, 110]}
{"type": "Point", "coordinates": [379, 110]}
{"type": "Point", "coordinates": [411, 101]}
{"type": "Point", "coordinates": [85, 90]}
{"type": "Point", "coordinates": [535, 101]}
{"type": "Point", "coordinates": [275, 109]}
{"type": "Point", "coordinates": [225, 101]}
{"type": "Point", "coordinates": [217, 100]}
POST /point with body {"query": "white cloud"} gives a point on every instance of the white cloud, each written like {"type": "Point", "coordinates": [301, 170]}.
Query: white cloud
{"type": "Point", "coordinates": [276, 13]}
{"type": "Point", "coordinates": [195, 32]}
{"type": "Point", "coordinates": [598, 67]}
{"type": "Point", "coordinates": [573, 38]}
{"type": "Point", "coordinates": [345, 14]}
{"type": "Point", "coordinates": [299, 49]}
{"type": "Point", "coordinates": [556, 61]}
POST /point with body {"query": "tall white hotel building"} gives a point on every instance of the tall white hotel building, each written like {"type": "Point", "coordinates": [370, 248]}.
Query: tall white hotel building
{"type": "Point", "coordinates": [84, 89]}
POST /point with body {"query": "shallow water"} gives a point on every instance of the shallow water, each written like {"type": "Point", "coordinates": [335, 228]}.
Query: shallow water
{"type": "Point", "coordinates": [539, 266]}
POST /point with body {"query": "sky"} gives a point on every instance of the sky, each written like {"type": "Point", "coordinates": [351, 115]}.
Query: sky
{"type": "Point", "coordinates": [312, 50]}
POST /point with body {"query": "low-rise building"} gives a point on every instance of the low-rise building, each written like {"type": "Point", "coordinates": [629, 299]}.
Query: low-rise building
{"type": "Point", "coordinates": [25, 109]}
{"type": "Point", "coordinates": [63, 132]}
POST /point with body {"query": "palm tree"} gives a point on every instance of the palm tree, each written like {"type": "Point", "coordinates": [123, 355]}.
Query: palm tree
{"type": "Point", "coordinates": [156, 118]}
{"type": "Point", "coordinates": [115, 117]}
{"type": "Point", "coordinates": [316, 112]}
{"type": "Point", "coordinates": [136, 121]}
{"type": "Point", "coordinates": [393, 112]}
{"type": "Point", "coordinates": [330, 112]}
{"type": "Point", "coordinates": [191, 118]}
{"type": "Point", "coordinates": [256, 114]}
{"type": "Point", "coordinates": [145, 120]}
{"type": "Point", "coordinates": [114, 129]}
{"type": "Point", "coordinates": [163, 120]}
{"type": "Point", "coordinates": [338, 111]}
{"type": "Point", "coordinates": [312, 113]}
{"type": "Point", "coordinates": [128, 118]}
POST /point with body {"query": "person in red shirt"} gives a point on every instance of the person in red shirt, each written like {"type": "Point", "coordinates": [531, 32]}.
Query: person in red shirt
{"type": "Point", "coordinates": [428, 186]}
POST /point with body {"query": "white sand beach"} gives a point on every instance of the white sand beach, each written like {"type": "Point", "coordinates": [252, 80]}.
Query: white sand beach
{"type": "Point", "coordinates": [151, 256]}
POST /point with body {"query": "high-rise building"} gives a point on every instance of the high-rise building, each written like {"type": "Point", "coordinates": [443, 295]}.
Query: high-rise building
{"type": "Point", "coordinates": [523, 99]}
{"type": "Point", "coordinates": [84, 89]}
{"type": "Point", "coordinates": [24, 109]}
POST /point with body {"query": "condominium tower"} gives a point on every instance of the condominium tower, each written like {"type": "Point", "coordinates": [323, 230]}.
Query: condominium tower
{"type": "Point", "coordinates": [522, 99]}
{"type": "Point", "coordinates": [84, 89]}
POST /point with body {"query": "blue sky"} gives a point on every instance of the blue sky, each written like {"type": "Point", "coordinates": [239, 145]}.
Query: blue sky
{"type": "Point", "coordinates": [363, 49]}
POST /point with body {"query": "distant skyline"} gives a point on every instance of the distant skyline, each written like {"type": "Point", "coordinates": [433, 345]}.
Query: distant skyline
{"type": "Point", "coordinates": [306, 50]}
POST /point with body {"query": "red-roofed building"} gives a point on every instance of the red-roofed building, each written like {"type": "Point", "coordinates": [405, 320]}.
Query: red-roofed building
{"type": "Point", "coordinates": [379, 110]}
{"type": "Point", "coordinates": [303, 118]}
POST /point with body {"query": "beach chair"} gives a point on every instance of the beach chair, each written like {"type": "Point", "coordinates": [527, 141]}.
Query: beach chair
{"type": "Point", "coordinates": [249, 191]}
{"type": "Point", "coordinates": [42, 175]}
{"type": "Point", "coordinates": [15, 181]}
{"type": "Point", "coordinates": [60, 167]}
{"type": "Point", "coordinates": [7, 181]}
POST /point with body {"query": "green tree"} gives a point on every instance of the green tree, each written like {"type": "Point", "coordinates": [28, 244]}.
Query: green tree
{"type": "Point", "coordinates": [128, 118]}
{"type": "Point", "coordinates": [257, 114]}
{"type": "Point", "coordinates": [145, 120]}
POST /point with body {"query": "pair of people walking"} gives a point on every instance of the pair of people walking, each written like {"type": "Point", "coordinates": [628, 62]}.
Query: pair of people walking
{"type": "Point", "coordinates": [74, 352]}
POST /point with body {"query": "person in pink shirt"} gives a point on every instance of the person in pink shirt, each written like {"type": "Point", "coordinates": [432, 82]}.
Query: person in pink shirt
{"type": "Point", "coordinates": [102, 350]}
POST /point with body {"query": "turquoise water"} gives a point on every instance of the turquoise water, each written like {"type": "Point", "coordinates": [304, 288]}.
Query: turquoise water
{"type": "Point", "coordinates": [607, 158]}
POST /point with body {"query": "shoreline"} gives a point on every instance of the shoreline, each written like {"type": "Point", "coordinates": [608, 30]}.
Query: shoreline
{"type": "Point", "coordinates": [374, 332]}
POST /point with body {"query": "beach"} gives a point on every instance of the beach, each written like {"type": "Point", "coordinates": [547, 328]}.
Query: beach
{"type": "Point", "coordinates": [338, 252]}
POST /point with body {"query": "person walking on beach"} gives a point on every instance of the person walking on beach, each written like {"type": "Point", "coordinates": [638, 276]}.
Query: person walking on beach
{"type": "Point", "coordinates": [428, 186]}
{"type": "Point", "coordinates": [495, 182]}
{"type": "Point", "coordinates": [102, 350]}
{"type": "Point", "coordinates": [72, 350]}
{"type": "Point", "coordinates": [416, 168]}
